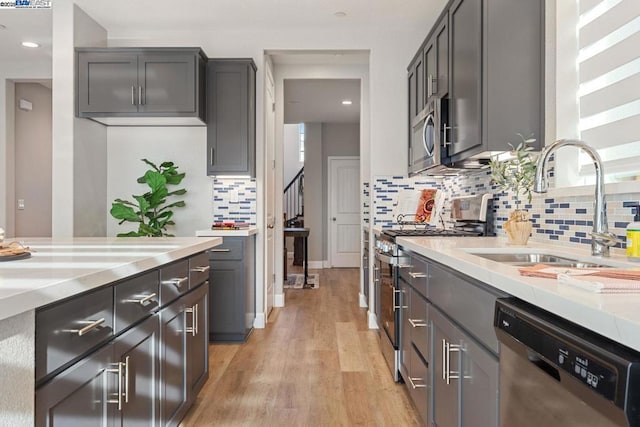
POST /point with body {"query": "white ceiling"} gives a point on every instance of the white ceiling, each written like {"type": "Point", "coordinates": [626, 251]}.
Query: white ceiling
{"type": "Point", "coordinates": [25, 25]}
{"type": "Point", "coordinates": [165, 15]}
{"type": "Point", "coordinates": [320, 101]}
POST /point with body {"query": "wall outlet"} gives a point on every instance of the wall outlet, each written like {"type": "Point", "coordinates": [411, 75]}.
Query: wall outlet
{"type": "Point", "coordinates": [234, 196]}
{"type": "Point", "coordinates": [20, 204]}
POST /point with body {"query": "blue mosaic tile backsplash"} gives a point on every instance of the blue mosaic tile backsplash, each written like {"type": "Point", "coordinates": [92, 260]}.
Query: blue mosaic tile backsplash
{"type": "Point", "coordinates": [567, 220]}
{"type": "Point", "coordinates": [234, 199]}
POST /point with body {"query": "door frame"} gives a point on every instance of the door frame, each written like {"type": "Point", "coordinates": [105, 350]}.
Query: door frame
{"type": "Point", "coordinates": [330, 160]}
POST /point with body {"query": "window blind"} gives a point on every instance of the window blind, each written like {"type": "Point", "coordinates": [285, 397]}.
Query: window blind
{"type": "Point", "coordinates": [608, 65]}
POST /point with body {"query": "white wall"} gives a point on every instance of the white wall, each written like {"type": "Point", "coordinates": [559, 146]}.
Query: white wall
{"type": "Point", "coordinates": [313, 206]}
{"type": "Point", "coordinates": [338, 139]}
{"type": "Point", "coordinates": [291, 153]}
{"type": "Point", "coordinates": [186, 147]}
{"type": "Point", "coordinates": [79, 163]}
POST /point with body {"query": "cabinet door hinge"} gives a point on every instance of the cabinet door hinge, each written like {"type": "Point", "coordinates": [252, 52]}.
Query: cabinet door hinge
{"type": "Point", "coordinates": [273, 164]}
{"type": "Point", "coordinates": [273, 106]}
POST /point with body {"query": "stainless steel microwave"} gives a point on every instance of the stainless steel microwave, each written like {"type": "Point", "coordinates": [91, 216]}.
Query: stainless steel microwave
{"type": "Point", "coordinates": [425, 144]}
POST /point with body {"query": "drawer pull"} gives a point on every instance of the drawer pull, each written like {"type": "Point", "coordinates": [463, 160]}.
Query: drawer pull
{"type": "Point", "coordinates": [200, 269]}
{"type": "Point", "coordinates": [414, 385]}
{"type": "Point", "coordinates": [417, 275]}
{"type": "Point", "coordinates": [405, 266]}
{"type": "Point", "coordinates": [143, 301]}
{"type": "Point", "coordinates": [178, 281]}
{"type": "Point", "coordinates": [90, 325]}
{"type": "Point", "coordinates": [219, 250]}
{"type": "Point", "coordinates": [418, 323]}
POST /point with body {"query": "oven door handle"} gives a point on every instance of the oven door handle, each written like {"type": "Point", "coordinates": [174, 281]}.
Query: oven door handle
{"type": "Point", "coordinates": [385, 258]}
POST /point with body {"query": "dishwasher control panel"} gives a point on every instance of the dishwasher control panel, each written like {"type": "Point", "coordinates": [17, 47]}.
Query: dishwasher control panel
{"type": "Point", "coordinates": [559, 353]}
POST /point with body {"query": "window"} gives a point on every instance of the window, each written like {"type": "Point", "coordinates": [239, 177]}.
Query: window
{"type": "Point", "coordinates": [301, 142]}
{"type": "Point", "coordinates": [608, 94]}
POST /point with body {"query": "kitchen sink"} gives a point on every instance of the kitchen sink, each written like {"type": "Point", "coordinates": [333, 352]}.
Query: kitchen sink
{"type": "Point", "coordinates": [528, 259]}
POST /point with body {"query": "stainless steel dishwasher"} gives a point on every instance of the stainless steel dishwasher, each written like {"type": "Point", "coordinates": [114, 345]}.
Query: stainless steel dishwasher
{"type": "Point", "coordinates": [555, 373]}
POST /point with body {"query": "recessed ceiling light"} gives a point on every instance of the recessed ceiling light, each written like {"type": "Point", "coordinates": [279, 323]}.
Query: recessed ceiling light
{"type": "Point", "coordinates": [340, 14]}
{"type": "Point", "coordinates": [347, 102]}
{"type": "Point", "coordinates": [30, 44]}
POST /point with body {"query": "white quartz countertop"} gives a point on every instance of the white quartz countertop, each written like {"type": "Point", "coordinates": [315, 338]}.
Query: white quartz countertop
{"type": "Point", "coordinates": [616, 316]}
{"type": "Point", "coordinates": [228, 233]}
{"type": "Point", "coordinates": [60, 268]}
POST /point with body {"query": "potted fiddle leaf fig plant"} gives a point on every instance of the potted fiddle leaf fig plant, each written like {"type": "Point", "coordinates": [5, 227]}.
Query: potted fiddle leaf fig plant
{"type": "Point", "coordinates": [150, 210]}
{"type": "Point", "coordinates": [517, 175]}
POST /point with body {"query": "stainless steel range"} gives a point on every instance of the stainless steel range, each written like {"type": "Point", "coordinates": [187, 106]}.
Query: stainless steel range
{"type": "Point", "coordinates": [470, 214]}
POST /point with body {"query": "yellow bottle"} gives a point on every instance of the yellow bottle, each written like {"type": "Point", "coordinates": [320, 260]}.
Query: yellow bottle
{"type": "Point", "coordinates": [633, 237]}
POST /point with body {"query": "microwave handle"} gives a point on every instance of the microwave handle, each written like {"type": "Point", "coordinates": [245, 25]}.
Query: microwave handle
{"type": "Point", "coordinates": [424, 134]}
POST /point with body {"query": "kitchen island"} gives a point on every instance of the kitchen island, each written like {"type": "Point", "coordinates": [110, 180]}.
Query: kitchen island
{"type": "Point", "coordinates": [59, 269]}
{"type": "Point", "coordinates": [615, 316]}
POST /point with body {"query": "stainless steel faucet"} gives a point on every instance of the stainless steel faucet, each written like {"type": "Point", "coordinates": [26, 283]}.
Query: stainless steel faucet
{"type": "Point", "coordinates": [601, 238]}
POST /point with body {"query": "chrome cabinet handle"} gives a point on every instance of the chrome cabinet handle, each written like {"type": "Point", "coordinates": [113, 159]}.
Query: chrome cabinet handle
{"type": "Point", "coordinates": [118, 370]}
{"type": "Point", "coordinates": [193, 330]}
{"type": "Point", "coordinates": [446, 128]}
{"type": "Point", "coordinates": [203, 269]}
{"type": "Point", "coordinates": [219, 250]}
{"type": "Point", "coordinates": [417, 275]}
{"type": "Point", "coordinates": [444, 359]}
{"type": "Point", "coordinates": [418, 323]}
{"type": "Point", "coordinates": [178, 281]}
{"type": "Point", "coordinates": [414, 385]}
{"type": "Point", "coordinates": [144, 300]}
{"type": "Point", "coordinates": [211, 156]}
{"type": "Point", "coordinates": [140, 96]}
{"type": "Point", "coordinates": [133, 96]}
{"type": "Point", "coordinates": [404, 266]}
{"type": "Point", "coordinates": [396, 307]}
{"type": "Point", "coordinates": [447, 373]}
{"type": "Point", "coordinates": [90, 325]}
{"type": "Point", "coordinates": [126, 379]}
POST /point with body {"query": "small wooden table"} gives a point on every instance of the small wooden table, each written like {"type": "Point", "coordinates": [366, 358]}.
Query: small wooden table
{"type": "Point", "coordinates": [301, 232]}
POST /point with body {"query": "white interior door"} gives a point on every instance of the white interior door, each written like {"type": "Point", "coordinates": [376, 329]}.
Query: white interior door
{"type": "Point", "coordinates": [270, 243]}
{"type": "Point", "coordinates": [344, 211]}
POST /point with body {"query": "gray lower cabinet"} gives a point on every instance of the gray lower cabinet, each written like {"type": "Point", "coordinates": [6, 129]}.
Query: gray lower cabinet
{"type": "Point", "coordinates": [449, 352]}
{"type": "Point", "coordinates": [231, 117]}
{"type": "Point", "coordinates": [465, 378]}
{"type": "Point", "coordinates": [183, 353]}
{"type": "Point", "coordinates": [130, 86]}
{"type": "Point", "coordinates": [232, 306]}
{"type": "Point", "coordinates": [148, 374]}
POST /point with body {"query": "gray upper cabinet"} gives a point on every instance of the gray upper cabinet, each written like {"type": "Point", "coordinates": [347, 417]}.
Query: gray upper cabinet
{"type": "Point", "coordinates": [465, 23]}
{"type": "Point", "coordinates": [141, 86]}
{"type": "Point", "coordinates": [497, 80]}
{"type": "Point", "coordinates": [231, 117]}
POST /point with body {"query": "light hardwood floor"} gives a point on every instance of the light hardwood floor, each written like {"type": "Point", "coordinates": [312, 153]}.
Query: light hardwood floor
{"type": "Point", "coordinates": [316, 364]}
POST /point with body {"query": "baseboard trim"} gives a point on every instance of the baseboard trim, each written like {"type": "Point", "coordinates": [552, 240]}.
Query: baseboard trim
{"type": "Point", "coordinates": [259, 321]}
{"type": "Point", "coordinates": [278, 300]}
{"type": "Point", "coordinates": [363, 300]}
{"type": "Point", "coordinates": [318, 265]}
{"type": "Point", "coordinates": [326, 264]}
{"type": "Point", "coordinates": [373, 320]}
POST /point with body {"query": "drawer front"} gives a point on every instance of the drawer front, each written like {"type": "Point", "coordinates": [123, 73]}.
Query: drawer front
{"type": "Point", "coordinates": [419, 324]}
{"type": "Point", "coordinates": [415, 273]}
{"type": "Point", "coordinates": [174, 281]}
{"type": "Point", "coordinates": [469, 303]}
{"type": "Point", "coordinates": [136, 299]}
{"type": "Point", "coordinates": [66, 331]}
{"type": "Point", "coordinates": [232, 248]}
{"type": "Point", "coordinates": [419, 385]}
{"type": "Point", "coordinates": [198, 269]}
